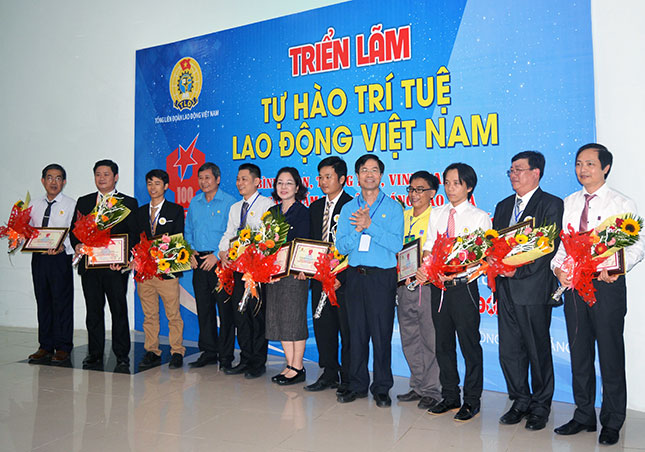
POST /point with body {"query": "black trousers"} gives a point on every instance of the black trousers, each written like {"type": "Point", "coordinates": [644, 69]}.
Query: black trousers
{"type": "Point", "coordinates": [208, 303]}
{"type": "Point", "coordinates": [525, 342]}
{"type": "Point", "coordinates": [332, 321]}
{"type": "Point", "coordinates": [602, 325]}
{"type": "Point", "coordinates": [250, 326]}
{"type": "Point", "coordinates": [458, 313]}
{"type": "Point", "coordinates": [54, 289]}
{"type": "Point", "coordinates": [99, 284]}
{"type": "Point", "coordinates": [370, 298]}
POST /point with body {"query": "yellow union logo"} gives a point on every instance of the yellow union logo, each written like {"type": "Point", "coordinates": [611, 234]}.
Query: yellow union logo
{"type": "Point", "coordinates": [185, 83]}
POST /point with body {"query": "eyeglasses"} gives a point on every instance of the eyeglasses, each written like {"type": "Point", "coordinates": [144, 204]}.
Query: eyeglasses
{"type": "Point", "coordinates": [289, 183]}
{"type": "Point", "coordinates": [417, 190]}
{"type": "Point", "coordinates": [52, 178]}
{"type": "Point", "coordinates": [517, 171]}
{"type": "Point", "coordinates": [365, 170]}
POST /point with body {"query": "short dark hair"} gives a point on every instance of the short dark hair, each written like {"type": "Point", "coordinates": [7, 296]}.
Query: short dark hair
{"type": "Point", "coordinates": [54, 166]}
{"type": "Point", "coordinates": [106, 162]}
{"type": "Point", "coordinates": [431, 179]}
{"type": "Point", "coordinates": [535, 159]}
{"type": "Point", "coordinates": [466, 174]}
{"type": "Point", "coordinates": [251, 168]}
{"type": "Point", "coordinates": [159, 174]}
{"type": "Point", "coordinates": [210, 166]}
{"type": "Point", "coordinates": [301, 192]}
{"type": "Point", "coordinates": [337, 164]}
{"type": "Point", "coordinates": [605, 157]}
{"type": "Point", "coordinates": [364, 158]}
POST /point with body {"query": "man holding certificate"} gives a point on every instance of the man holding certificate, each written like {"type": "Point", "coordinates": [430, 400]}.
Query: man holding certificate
{"type": "Point", "coordinates": [52, 271]}
{"type": "Point", "coordinates": [603, 323]}
{"type": "Point", "coordinates": [101, 283]}
{"type": "Point", "coordinates": [370, 232]}
{"type": "Point", "coordinates": [414, 308]}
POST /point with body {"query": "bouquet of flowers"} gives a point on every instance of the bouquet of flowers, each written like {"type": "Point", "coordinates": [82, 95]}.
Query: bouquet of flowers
{"type": "Point", "coordinates": [18, 229]}
{"type": "Point", "coordinates": [328, 266]}
{"type": "Point", "coordinates": [585, 250]}
{"type": "Point", "coordinates": [93, 230]}
{"type": "Point", "coordinates": [511, 251]}
{"type": "Point", "coordinates": [253, 253]}
{"type": "Point", "coordinates": [225, 280]}
{"type": "Point", "coordinates": [162, 256]}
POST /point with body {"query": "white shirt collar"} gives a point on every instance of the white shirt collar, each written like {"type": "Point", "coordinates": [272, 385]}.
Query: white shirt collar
{"type": "Point", "coordinates": [527, 197]}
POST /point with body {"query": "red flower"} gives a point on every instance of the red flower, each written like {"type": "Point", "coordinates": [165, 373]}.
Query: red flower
{"type": "Point", "coordinates": [471, 256]}
{"type": "Point", "coordinates": [479, 241]}
{"type": "Point", "coordinates": [454, 261]}
{"type": "Point", "coordinates": [601, 248]}
{"type": "Point", "coordinates": [539, 233]}
{"type": "Point", "coordinates": [619, 222]}
{"type": "Point", "coordinates": [262, 246]}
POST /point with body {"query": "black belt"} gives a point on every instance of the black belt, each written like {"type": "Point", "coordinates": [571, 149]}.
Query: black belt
{"type": "Point", "coordinates": [456, 281]}
{"type": "Point", "coordinates": [365, 270]}
{"type": "Point", "coordinates": [204, 252]}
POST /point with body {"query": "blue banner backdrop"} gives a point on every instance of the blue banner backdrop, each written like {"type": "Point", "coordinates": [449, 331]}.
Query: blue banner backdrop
{"type": "Point", "coordinates": [420, 84]}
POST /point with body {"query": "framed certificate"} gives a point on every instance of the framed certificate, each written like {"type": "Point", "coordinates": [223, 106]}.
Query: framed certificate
{"type": "Point", "coordinates": [614, 264]}
{"type": "Point", "coordinates": [511, 230]}
{"type": "Point", "coordinates": [409, 260]}
{"type": "Point", "coordinates": [283, 259]}
{"type": "Point", "coordinates": [45, 239]}
{"type": "Point", "coordinates": [115, 253]}
{"type": "Point", "coordinates": [305, 254]}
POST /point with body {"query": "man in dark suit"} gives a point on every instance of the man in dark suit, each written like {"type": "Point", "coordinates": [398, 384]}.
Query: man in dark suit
{"type": "Point", "coordinates": [99, 283]}
{"type": "Point", "coordinates": [324, 214]}
{"type": "Point", "coordinates": [157, 218]}
{"type": "Point", "coordinates": [523, 299]}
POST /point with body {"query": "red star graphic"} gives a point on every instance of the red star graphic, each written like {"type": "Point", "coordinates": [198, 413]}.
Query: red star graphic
{"type": "Point", "coordinates": [186, 159]}
{"type": "Point", "coordinates": [185, 64]}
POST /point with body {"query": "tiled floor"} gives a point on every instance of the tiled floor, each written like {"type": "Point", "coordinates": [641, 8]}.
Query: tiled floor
{"type": "Point", "coordinates": [46, 408]}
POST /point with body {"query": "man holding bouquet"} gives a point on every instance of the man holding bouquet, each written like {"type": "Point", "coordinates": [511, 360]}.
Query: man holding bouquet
{"type": "Point", "coordinates": [101, 283]}
{"type": "Point", "coordinates": [523, 299]}
{"type": "Point", "coordinates": [603, 323]}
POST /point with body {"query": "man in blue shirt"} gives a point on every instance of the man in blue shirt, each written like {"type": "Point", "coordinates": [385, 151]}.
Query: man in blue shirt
{"type": "Point", "coordinates": [370, 232]}
{"type": "Point", "coordinates": [205, 224]}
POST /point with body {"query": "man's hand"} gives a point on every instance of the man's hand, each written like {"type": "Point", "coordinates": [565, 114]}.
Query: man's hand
{"type": "Point", "coordinates": [337, 285]}
{"type": "Point", "coordinates": [209, 262]}
{"type": "Point", "coordinates": [361, 219]}
{"type": "Point", "coordinates": [193, 260]}
{"type": "Point", "coordinates": [300, 276]}
{"type": "Point", "coordinates": [223, 256]}
{"type": "Point", "coordinates": [422, 276]}
{"type": "Point", "coordinates": [53, 251]}
{"type": "Point", "coordinates": [116, 267]}
{"type": "Point", "coordinates": [606, 277]}
{"type": "Point", "coordinates": [563, 277]}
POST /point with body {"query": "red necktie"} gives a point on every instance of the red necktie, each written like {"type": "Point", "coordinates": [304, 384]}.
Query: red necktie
{"type": "Point", "coordinates": [584, 223]}
{"type": "Point", "coordinates": [451, 223]}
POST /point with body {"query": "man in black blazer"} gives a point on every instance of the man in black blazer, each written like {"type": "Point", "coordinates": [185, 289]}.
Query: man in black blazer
{"type": "Point", "coordinates": [157, 218]}
{"type": "Point", "coordinates": [99, 283]}
{"type": "Point", "coordinates": [523, 299]}
{"type": "Point", "coordinates": [332, 173]}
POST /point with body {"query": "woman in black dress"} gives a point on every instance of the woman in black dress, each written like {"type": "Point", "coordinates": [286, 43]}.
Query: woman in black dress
{"type": "Point", "coordinates": [286, 308]}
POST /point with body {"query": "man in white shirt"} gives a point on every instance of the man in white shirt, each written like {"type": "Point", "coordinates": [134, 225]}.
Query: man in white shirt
{"type": "Point", "coordinates": [52, 272]}
{"type": "Point", "coordinates": [603, 323]}
{"type": "Point", "coordinates": [456, 310]}
{"type": "Point", "coordinates": [249, 324]}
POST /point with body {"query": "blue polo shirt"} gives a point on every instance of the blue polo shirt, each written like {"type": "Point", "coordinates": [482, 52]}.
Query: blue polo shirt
{"type": "Point", "coordinates": [386, 232]}
{"type": "Point", "coordinates": [206, 221]}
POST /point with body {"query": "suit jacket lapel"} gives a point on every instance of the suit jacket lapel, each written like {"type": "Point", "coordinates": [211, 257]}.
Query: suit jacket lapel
{"type": "Point", "coordinates": [529, 211]}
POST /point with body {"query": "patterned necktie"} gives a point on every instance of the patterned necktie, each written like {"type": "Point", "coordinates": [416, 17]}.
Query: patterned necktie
{"type": "Point", "coordinates": [451, 223]}
{"type": "Point", "coordinates": [48, 212]}
{"type": "Point", "coordinates": [584, 220]}
{"type": "Point", "coordinates": [153, 219]}
{"type": "Point", "coordinates": [517, 212]}
{"type": "Point", "coordinates": [325, 230]}
{"type": "Point", "coordinates": [243, 213]}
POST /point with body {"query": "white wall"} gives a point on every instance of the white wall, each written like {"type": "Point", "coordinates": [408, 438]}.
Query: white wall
{"type": "Point", "coordinates": [68, 96]}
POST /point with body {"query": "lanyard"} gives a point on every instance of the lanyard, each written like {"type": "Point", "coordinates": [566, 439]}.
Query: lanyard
{"type": "Point", "coordinates": [246, 214]}
{"type": "Point", "coordinates": [379, 204]}
{"type": "Point", "coordinates": [153, 221]}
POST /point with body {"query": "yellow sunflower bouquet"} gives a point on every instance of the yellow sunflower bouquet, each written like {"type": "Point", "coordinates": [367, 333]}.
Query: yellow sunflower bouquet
{"type": "Point", "coordinates": [172, 253]}
{"type": "Point", "coordinates": [616, 232]}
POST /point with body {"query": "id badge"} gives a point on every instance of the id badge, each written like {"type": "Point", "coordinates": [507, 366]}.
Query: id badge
{"type": "Point", "coordinates": [364, 244]}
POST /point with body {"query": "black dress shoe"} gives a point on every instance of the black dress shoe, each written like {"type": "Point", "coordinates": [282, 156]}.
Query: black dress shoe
{"type": "Point", "coordinates": [572, 427]}
{"type": "Point", "coordinates": [92, 361]}
{"type": "Point", "coordinates": [608, 436]}
{"type": "Point", "coordinates": [255, 372]}
{"type": "Point", "coordinates": [427, 403]}
{"type": "Point", "coordinates": [122, 366]}
{"type": "Point", "coordinates": [321, 384]}
{"type": "Point", "coordinates": [176, 361]}
{"type": "Point", "coordinates": [350, 396]}
{"type": "Point", "coordinates": [444, 406]}
{"type": "Point", "coordinates": [466, 412]}
{"type": "Point", "coordinates": [512, 416]}
{"type": "Point", "coordinates": [40, 357]}
{"type": "Point", "coordinates": [342, 388]}
{"type": "Point", "coordinates": [409, 396]}
{"type": "Point", "coordinates": [535, 422]}
{"type": "Point", "coordinates": [204, 360]}
{"type": "Point", "coordinates": [236, 370]}
{"type": "Point", "coordinates": [277, 377]}
{"type": "Point", "coordinates": [225, 366]}
{"type": "Point", "coordinates": [382, 400]}
{"type": "Point", "coordinates": [300, 376]}
{"type": "Point", "coordinates": [149, 361]}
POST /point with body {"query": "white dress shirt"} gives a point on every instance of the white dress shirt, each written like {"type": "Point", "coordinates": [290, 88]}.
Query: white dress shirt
{"type": "Point", "coordinates": [608, 202]}
{"type": "Point", "coordinates": [258, 204]}
{"type": "Point", "coordinates": [60, 216]}
{"type": "Point", "coordinates": [468, 218]}
{"type": "Point", "coordinates": [332, 205]}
